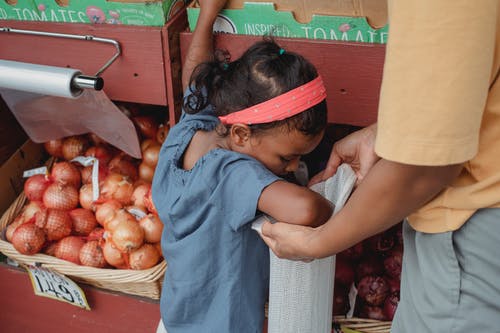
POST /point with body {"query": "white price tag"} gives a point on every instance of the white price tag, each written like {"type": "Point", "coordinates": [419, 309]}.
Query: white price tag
{"type": "Point", "coordinates": [53, 285]}
{"type": "Point", "coordinates": [38, 171]}
{"type": "Point", "coordinates": [87, 161]}
{"type": "Point", "coordinates": [139, 214]}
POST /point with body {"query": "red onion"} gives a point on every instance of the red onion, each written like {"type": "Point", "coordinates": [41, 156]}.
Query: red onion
{"type": "Point", "coordinates": [35, 186]}
{"type": "Point", "coordinates": [391, 304]}
{"type": "Point", "coordinates": [369, 265]}
{"type": "Point", "coordinates": [372, 312]}
{"type": "Point", "coordinates": [373, 289]}
{"type": "Point", "coordinates": [382, 242]}
{"type": "Point", "coordinates": [340, 300]}
{"type": "Point", "coordinates": [394, 284]}
{"type": "Point", "coordinates": [344, 272]}
{"type": "Point", "coordinates": [353, 253]}
{"type": "Point", "coordinates": [393, 263]}
{"type": "Point", "coordinates": [398, 233]}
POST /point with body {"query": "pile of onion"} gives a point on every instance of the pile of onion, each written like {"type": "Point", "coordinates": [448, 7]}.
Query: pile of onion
{"type": "Point", "coordinates": [373, 267]}
{"type": "Point", "coordinates": [150, 154]}
{"type": "Point", "coordinates": [120, 229]}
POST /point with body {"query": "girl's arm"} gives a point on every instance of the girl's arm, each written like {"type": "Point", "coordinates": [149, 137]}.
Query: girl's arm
{"type": "Point", "coordinates": [201, 47]}
{"type": "Point", "coordinates": [295, 204]}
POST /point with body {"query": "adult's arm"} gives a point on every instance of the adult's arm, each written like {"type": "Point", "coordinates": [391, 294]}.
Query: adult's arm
{"type": "Point", "coordinates": [389, 193]}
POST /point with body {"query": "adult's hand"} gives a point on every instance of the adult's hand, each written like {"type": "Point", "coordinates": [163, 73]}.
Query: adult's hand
{"type": "Point", "coordinates": [356, 149]}
{"type": "Point", "coordinates": [288, 241]}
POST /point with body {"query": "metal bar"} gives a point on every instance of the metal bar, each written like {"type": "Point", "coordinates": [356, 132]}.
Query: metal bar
{"type": "Point", "coordinates": [71, 36]}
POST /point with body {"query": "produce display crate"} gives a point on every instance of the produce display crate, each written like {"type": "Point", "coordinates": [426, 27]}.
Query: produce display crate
{"type": "Point", "coordinates": [146, 283]}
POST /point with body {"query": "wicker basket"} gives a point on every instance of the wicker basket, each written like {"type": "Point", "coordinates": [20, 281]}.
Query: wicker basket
{"type": "Point", "coordinates": [363, 325]}
{"type": "Point", "coordinates": [145, 283]}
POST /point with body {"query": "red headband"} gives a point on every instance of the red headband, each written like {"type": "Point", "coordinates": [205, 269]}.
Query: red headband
{"type": "Point", "coordinates": [280, 107]}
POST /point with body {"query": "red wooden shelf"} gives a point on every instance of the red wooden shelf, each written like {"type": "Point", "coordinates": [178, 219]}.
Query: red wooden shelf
{"type": "Point", "coordinates": [147, 71]}
{"type": "Point", "coordinates": [22, 311]}
{"type": "Point", "coordinates": [352, 72]}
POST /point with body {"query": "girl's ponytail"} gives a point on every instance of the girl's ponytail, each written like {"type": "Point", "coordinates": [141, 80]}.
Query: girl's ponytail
{"type": "Point", "coordinates": [205, 81]}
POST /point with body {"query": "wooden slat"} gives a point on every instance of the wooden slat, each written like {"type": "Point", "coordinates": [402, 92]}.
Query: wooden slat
{"type": "Point", "coordinates": [172, 56]}
{"type": "Point", "coordinates": [136, 76]}
{"type": "Point", "coordinates": [352, 71]}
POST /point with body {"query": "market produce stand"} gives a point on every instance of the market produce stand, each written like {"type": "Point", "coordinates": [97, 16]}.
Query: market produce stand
{"type": "Point", "coordinates": [148, 71]}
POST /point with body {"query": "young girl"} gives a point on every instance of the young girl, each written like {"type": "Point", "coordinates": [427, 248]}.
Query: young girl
{"type": "Point", "coordinates": [244, 124]}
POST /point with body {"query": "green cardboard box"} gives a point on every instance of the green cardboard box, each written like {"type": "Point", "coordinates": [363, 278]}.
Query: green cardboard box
{"type": "Point", "coordinates": [129, 12]}
{"type": "Point", "coordinates": [17, 10]}
{"type": "Point", "coordinates": [261, 18]}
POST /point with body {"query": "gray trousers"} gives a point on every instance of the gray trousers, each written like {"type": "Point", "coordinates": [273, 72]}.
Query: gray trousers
{"type": "Point", "coordinates": [451, 281]}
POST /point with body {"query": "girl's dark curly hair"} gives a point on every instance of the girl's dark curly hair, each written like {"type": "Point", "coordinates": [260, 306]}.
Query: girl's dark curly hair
{"type": "Point", "coordinates": [261, 73]}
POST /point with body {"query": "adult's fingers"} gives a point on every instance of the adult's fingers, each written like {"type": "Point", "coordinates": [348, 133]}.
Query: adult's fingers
{"type": "Point", "coordinates": [333, 163]}
{"type": "Point", "coordinates": [331, 167]}
{"type": "Point", "coordinates": [266, 235]}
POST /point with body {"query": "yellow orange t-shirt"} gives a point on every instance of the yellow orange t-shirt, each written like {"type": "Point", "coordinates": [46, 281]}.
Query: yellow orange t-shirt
{"type": "Point", "coordinates": [440, 102]}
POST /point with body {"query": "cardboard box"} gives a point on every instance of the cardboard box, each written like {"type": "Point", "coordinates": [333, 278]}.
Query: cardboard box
{"type": "Point", "coordinates": [15, 9]}
{"type": "Point", "coordinates": [130, 12]}
{"type": "Point", "coordinates": [374, 10]}
{"type": "Point", "coordinates": [342, 20]}
{"type": "Point", "coordinates": [30, 155]}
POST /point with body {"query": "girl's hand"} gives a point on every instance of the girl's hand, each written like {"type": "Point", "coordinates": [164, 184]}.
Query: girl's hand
{"type": "Point", "coordinates": [201, 48]}
{"type": "Point", "coordinates": [356, 149]}
{"type": "Point", "coordinates": [288, 241]}
{"type": "Point", "coordinates": [211, 7]}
